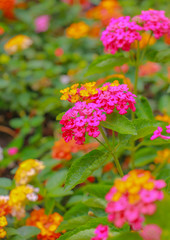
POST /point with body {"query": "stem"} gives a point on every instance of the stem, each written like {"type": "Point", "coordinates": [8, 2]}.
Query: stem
{"type": "Point", "coordinates": [144, 51]}
{"type": "Point", "coordinates": [113, 154]}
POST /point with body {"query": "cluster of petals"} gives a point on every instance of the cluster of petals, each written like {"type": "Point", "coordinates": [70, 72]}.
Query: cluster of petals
{"type": "Point", "coordinates": [149, 69]}
{"type": "Point", "coordinates": [7, 7]}
{"type": "Point", "coordinates": [17, 43]}
{"type": "Point", "coordinates": [64, 150]}
{"type": "Point", "coordinates": [163, 156]}
{"type": "Point", "coordinates": [147, 39]}
{"type": "Point", "coordinates": [18, 198]}
{"type": "Point", "coordinates": [86, 116]}
{"type": "Point", "coordinates": [83, 3]}
{"type": "Point", "coordinates": [27, 170]}
{"type": "Point", "coordinates": [42, 23]}
{"type": "Point", "coordinates": [120, 34]}
{"type": "Point", "coordinates": [151, 232]}
{"type": "Point", "coordinates": [77, 30]}
{"type": "Point", "coordinates": [101, 232]}
{"type": "Point", "coordinates": [48, 224]}
{"type": "Point", "coordinates": [158, 133]}
{"type": "Point", "coordinates": [5, 209]}
{"type": "Point", "coordinates": [155, 21]}
{"type": "Point", "coordinates": [164, 118]}
{"type": "Point", "coordinates": [132, 197]}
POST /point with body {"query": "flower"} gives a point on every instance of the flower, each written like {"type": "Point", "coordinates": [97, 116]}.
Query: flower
{"type": "Point", "coordinates": [163, 118]}
{"type": "Point", "coordinates": [132, 197]}
{"type": "Point", "coordinates": [77, 30]}
{"type": "Point", "coordinates": [12, 151]}
{"type": "Point", "coordinates": [149, 69]}
{"type": "Point", "coordinates": [4, 210]}
{"type": "Point", "coordinates": [151, 232]}
{"type": "Point", "coordinates": [64, 150]}
{"type": "Point", "coordinates": [59, 52]}
{"type": "Point", "coordinates": [48, 224]}
{"type": "Point", "coordinates": [102, 232]}
{"type": "Point", "coordinates": [120, 34]}
{"type": "Point", "coordinates": [147, 39]}
{"type": "Point", "coordinates": [86, 116]}
{"type": "Point", "coordinates": [42, 23]}
{"type": "Point", "coordinates": [15, 44]}
{"type": "Point", "coordinates": [155, 21]}
{"type": "Point", "coordinates": [18, 198]}
{"type": "Point", "coordinates": [162, 155]}
{"type": "Point", "coordinates": [158, 132]}
{"type": "Point", "coordinates": [27, 170]}
{"type": "Point", "coordinates": [7, 8]}
{"type": "Point", "coordinates": [121, 69]}
{"type": "Point", "coordinates": [83, 3]}
{"type": "Point", "coordinates": [1, 30]}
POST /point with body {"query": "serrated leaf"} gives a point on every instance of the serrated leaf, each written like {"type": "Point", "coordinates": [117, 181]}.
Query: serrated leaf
{"type": "Point", "coordinates": [119, 123]}
{"type": "Point", "coordinates": [83, 167]}
{"type": "Point", "coordinates": [143, 108]}
{"type": "Point", "coordinates": [105, 62]}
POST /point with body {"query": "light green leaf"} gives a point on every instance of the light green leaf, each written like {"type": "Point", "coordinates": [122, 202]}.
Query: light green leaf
{"type": "Point", "coordinates": [95, 202]}
{"type": "Point", "coordinates": [28, 231]}
{"type": "Point", "coordinates": [144, 156]}
{"type": "Point", "coordinates": [56, 179]}
{"type": "Point", "coordinates": [83, 235]}
{"type": "Point", "coordinates": [97, 189]}
{"type": "Point", "coordinates": [5, 183]}
{"type": "Point", "coordinates": [83, 167]}
{"type": "Point", "coordinates": [126, 236]}
{"type": "Point", "coordinates": [59, 116]}
{"type": "Point", "coordinates": [143, 108]}
{"type": "Point", "coordinates": [59, 192]}
{"type": "Point", "coordinates": [119, 123]}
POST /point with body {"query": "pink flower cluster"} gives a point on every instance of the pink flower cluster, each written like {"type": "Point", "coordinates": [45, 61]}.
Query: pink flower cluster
{"type": "Point", "coordinates": [86, 117]}
{"type": "Point", "coordinates": [158, 133]}
{"type": "Point", "coordinates": [151, 232]}
{"type": "Point", "coordinates": [155, 21]}
{"type": "Point", "coordinates": [132, 197]}
{"type": "Point", "coordinates": [42, 23]}
{"type": "Point", "coordinates": [120, 34]}
{"type": "Point", "coordinates": [102, 233]}
{"type": "Point", "coordinates": [149, 69]}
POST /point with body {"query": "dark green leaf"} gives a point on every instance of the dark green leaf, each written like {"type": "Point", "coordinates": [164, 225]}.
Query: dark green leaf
{"type": "Point", "coordinates": [144, 156]}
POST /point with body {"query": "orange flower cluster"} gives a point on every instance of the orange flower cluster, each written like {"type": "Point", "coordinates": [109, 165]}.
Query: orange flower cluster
{"type": "Point", "coordinates": [163, 118]}
{"type": "Point", "coordinates": [149, 69]}
{"type": "Point", "coordinates": [106, 10]}
{"type": "Point", "coordinates": [163, 155]}
{"type": "Point", "coordinates": [4, 210]}
{"type": "Point", "coordinates": [147, 39]}
{"type": "Point", "coordinates": [63, 150]}
{"type": "Point", "coordinates": [7, 7]}
{"type": "Point", "coordinates": [121, 69]}
{"type": "Point", "coordinates": [83, 3]}
{"type": "Point", "coordinates": [77, 30]}
{"type": "Point", "coordinates": [48, 224]}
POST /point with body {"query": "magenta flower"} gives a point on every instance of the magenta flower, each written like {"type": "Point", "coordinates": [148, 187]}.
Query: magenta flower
{"type": "Point", "coordinates": [12, 151]}
{"type": "Point", "coordinates": [42, 23]}
{"type": "Point", "coordinates": [151, 232]}
{"type": "Point", "coordinates": [158, 134]}
{"type": "Point", "coordinates": [102, 232]}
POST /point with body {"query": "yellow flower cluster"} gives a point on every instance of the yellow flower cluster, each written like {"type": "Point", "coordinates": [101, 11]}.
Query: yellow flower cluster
{"type": "Point", "coordinates": [132, 185]}
{"type": "Point", "coordinates": [77, 30]}
{"type": "Point", "coordinates": [4, 210]}
{"type": "Point", "coordinates": [3, 223]}
{"type": "Point", "coordinates": [18, 198]}
{"type": "Point", "coordinates": [163, 155]}
{"type": "Point", "coordinates": [27, 170]}
{"type": "Point", "coordinates": [15, 44]}
{"type": "Point", "coordinates": [147, 39]}
{"type": "Point", "coordinates": [163, 118]}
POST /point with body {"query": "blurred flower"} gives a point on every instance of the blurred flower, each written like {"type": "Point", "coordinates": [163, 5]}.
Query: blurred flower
{"type": "Point", "coordinates": [65, 79]}
{"type": "Point", "coordinates": [59, 52]}
{"type": "Point", "coordinates": [132, 197]}
{"type": "Point", "coordinates": [149, 69]}
{"type": "Point", "coordinates": [147, 39]}
{"type": "Point", "coordinates": [48, 224]}
{"type": "Point", "coordinates": [42, 23]}
{"type": "Point", "coordinates": [167, 39]}
{"type": "Point", "coordinates": [151, 232]}
{"type": "Point", "coordinates": [164, 118]}
{"type": "Point", "coordinates": [7, 7]}
{"type": "Point", "coordinates": [121, 69]}
{"type": "Point", "coordinates": [18, 198]}
{"type": "Point", "coordinates": [15, 44]}
{"type": "Point", "coordinates": [41, 83]}
{"type": "Point", "coordinates": [95, 31]}
{"type": "Point", "coordinates": [1, 30]}
{"type": "Point", "coordinates": [77, 30]}
{"type": "Point", "coordinates": [27, 170]}
{"type": "Point", "coordinates": [4, 59]}
{"type": "Point", "coordinates": [63, 150]}
{"type": "Point", "coordinates": [162, 155]}
{"type": "Point", "coordinates": [108, 167]}
{"type": "Point", "coordinates": [102, 232]}
{"type": "Point", "coordinates": [83, 3]}
{"type": "Point", "coordinates": [12, 151]}
{"type": "Point", "coordinates": [4, 210]}
{"type": "Point", "coordinates": [158, 133]}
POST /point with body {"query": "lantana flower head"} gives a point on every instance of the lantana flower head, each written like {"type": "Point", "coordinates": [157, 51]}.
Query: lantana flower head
{"type": "Point", "coordinates": [5, 209]}
{"type": "Point", "coordinates": [27, 170]}
{"type": "Point", "coordinates": [164, 118]}
{"type": "Point", "coordinates": [77, 30]}
{"type": "Point", "coordinates": [162, 156]}
{"type": "Point", "coordinates": [155, 21]}
{"type": "Point", "coordinates": [48, 224]}
{"type": "Point", "coordinates": [158, 133]}
{"type": "Point", "coordinates": [151, 232]}
{"type": "Point", "coordinates": [101, 232]}
{"type": "Point", "coordinates": [7, 8]}
{"type": "Point", "coordinates": [120, 34]}
{"type": "Point", "coordinates": [149, 69]}
{"type": "Point", "coordinates": [132, 197]}
{"type": "Point", "coordinates": [15, 44]}
{"type": "Point", "coordinates": [147, 39]}
{"type": "Point", "coordinates": [42, 23]}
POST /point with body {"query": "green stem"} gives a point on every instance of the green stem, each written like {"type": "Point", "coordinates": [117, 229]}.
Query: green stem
{"type": "Point", "coordinates": [144, 51]}
{"type": "Point", "coordinates": [112, 153]}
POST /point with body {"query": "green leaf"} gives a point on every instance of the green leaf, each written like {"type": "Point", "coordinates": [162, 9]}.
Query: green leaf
{"type": "Point", "coordinates": [59, 192]}
{"type": "Point", "coordinates": [83, 235]}
{"type": "Point", "coordinates": [97, 189]}
{"type": "Point", "coordinates": [28, 231]}
{"type": "Point", "coordinates": [83, 167]}
{"type": "Point", "coordinates": [163, 56]}
{"type": "Point", "coordinates": [143, 108]}
{"type": "Point", "coordinates": [56, 179]}
{"type": "Point", "coordinates": [119, 123]}
{"type": "Point", "coordinates": [36, 121]}
{"type": "Point", "coordinates": [144, 127]}
{"type": "Point", "coordinates": [49, 205]}
{"type": "Point", "coordinates": [105, 63]}
{"type": "Point", "coordinates": [5, 183]}
{"type": "Point", "coordinates": [59, 116]}
{"type": "Point", "coordinates": [126, 236]}
{"type": "Point", "coordinates": [95, 202]}
{"type": "Point", "coordinates": [155, 142]}
{"type": "Point", "coordinates": [16, 122]}
{"type": "Point", "coordinates": [144, 156]}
